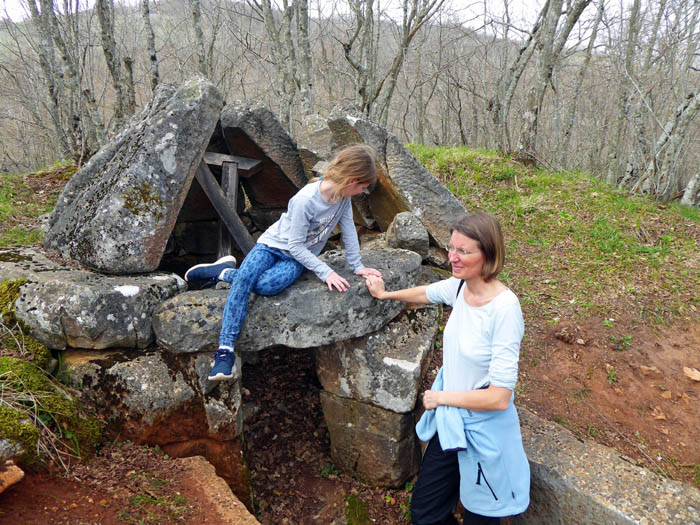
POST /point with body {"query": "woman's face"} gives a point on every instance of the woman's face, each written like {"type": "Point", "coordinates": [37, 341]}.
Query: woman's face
{"type": "Point", "coordinates": [465, 256]}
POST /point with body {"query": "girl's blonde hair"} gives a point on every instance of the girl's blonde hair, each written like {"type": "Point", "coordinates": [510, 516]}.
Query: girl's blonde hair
{"type": "Point", "coordinates": [354, 163]}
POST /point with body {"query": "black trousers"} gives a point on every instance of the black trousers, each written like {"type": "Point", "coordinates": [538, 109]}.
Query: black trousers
{"type": "Point", "coordinates": [437, 490]}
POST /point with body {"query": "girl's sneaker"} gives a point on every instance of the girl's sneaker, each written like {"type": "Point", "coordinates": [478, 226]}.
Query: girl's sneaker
{"type": "Point", "coordinates": [208, 274]}
{"type": "Point", "coordinates": [224, 365]}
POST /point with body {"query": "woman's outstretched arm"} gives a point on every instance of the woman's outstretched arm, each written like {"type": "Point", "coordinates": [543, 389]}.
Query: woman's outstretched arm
{"type": "Point", "coordinates": [408, 295]}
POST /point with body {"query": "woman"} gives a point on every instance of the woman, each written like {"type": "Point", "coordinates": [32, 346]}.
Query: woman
{"type": "Point", "coordinates": [474, 450]}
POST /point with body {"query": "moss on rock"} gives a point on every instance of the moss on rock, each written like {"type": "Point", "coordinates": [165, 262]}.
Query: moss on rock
{"type": "Point", "coordinates": [18, 428]}
{"type": "Point", "coordinates": [54, 405]}
{"type": "Point", "coordinates": [36, 352]}
{"type": "Point", "coordinates": [9, 292]}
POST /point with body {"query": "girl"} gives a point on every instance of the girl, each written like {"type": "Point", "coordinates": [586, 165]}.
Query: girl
{"type": "Point", "coordinates": [292, 244]}
{"type": "Point", "coordinates": [475, 451]}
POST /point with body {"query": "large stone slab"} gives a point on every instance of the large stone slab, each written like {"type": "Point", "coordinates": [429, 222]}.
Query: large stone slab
{"type": "Point", "coordinates": [64, 306]}
{"type": "Point", "coordinates": [384, 368]}
{"type": "Point", "coordinates": [115, 215]}
{"type": "Point", "coordinates": [251, 130]}
{"type": "Point", "coordinates": [157, 397]}
{"type": "Point", "coordinates": [584, 483]}
{"type": "Point", "coordinates": [305, 315]}
{"type": "Point", "coordinates": [377, 446]}
{"type": "Point", "coordinates": [163, 399]}
{"type": "Point", "coordinates": [404, 184]}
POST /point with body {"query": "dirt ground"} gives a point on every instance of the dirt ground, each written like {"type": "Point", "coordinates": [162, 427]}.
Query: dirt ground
{"type": "Point", "coordinates": [633, 396]}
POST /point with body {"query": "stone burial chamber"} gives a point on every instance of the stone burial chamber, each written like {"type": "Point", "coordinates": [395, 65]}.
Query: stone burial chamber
{"type": "Point", "coordinates": [106, 289]}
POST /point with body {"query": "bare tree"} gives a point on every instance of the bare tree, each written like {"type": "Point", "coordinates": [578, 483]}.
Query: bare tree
{"type": "Point", "coordinates": [361, 48]}
{"type": "Point", "coordinates": [150, 43]}
{"type": "Point", "coordinates": [123, 106]}
{"type": "Point", "coordinates": [199, 36]}
{"type": "Point", "coordinates": [549, 47]}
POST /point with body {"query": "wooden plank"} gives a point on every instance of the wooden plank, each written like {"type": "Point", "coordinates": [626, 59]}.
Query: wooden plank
{"type": "Point", "coordinates": [229, 186]}
{"type": "Point", "coordinates": [246, 166]}
{"type": "Point", "coordinates": [228, 216]}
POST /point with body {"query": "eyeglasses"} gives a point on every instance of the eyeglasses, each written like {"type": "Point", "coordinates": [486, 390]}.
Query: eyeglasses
{"type": "Point", "coordinates": [460, 251]}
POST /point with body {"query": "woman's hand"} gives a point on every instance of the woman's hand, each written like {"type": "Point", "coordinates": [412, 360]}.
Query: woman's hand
{"type": "Point", "coordinates": [430, 399]}
{"type": "Point", "coordinates": [336, 281]}
{"type": "Point", "coordinates": [375, 285]}
{"type": "Point", "coordinates": [364, 272]}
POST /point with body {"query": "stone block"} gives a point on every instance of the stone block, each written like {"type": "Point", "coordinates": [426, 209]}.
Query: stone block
{"type": "Point", "coordinates": [64, 306]}
{"type": "Point", "coordinates": [116, 213]}
{"type": "Point", "coordinates": [305, 315]}
{"type": "Point", "coordinates": [379, 447]}
{"type": "Point", "coordinates": [384, 368]}
{"type": "Point", "coordinates": [408, 233]}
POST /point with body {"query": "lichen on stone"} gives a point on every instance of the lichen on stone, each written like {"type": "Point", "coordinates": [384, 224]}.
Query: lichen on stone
{"type": "Point", "coordinates": [142, 199]}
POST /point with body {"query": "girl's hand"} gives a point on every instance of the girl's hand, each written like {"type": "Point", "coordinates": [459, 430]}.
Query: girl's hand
{"type": "Point", "coordinates": [364, 272]}
{"type": "Point", "coordinates": [336, 281]}
{"type": "Point", "coordinates": [430, 399]}
{"type": "Point", "coordinates": [375, 285]}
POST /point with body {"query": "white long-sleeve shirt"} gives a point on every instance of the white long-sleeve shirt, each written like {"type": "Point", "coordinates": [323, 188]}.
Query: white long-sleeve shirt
{"type": "Point", "coordinates": [481, 345]}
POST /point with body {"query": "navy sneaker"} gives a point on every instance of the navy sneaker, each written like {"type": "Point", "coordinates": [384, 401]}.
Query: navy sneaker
{"type": "Point", "coordinates": [224, 365]}
{"type": "Point", "coordinates": [208, 274]}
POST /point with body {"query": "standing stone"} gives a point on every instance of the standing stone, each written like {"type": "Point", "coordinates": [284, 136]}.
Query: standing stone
{"type": "Point", "coordinates": [404, 184]}
{"type": "Point", "coordinates": [250, 129]}
{"type": "Point", "coordinates": [384, 368]}
{"type": "Point", "coordinates": [116, 214]}
{"type": "Point", "coordinates": [408, 233]}
{"type": "Point", "coordinates": [377, 446]}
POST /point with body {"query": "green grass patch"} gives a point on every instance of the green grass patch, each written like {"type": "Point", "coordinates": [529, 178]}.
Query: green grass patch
{"type": "Point", "coordinates": [575, 245]}
{"type": "Point", "coordinates": [24, 198]}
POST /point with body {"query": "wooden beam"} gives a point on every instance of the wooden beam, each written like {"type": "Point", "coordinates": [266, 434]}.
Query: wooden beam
{"type": "Point", "coordinates": [228, 216]}
{"type": "Point", "coordinates": [229, 186]}
{"type": "Point", "coordinates": [246, 166]}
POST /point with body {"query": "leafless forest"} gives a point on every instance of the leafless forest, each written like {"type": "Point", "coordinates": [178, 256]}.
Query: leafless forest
{"type": "Point", "coordinates": [609, 88]}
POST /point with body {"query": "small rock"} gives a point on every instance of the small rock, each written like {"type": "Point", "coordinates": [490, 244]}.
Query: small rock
{"type": "Point", "coordinates": [650, 371]}
{"type": "Point", "coordinates": [10, 475]}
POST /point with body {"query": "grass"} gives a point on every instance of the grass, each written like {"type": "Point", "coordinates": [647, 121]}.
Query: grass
{"type": "Point", "coordinates": [574, 242]}
{"type": "Point", "coordinates": [24, 198]}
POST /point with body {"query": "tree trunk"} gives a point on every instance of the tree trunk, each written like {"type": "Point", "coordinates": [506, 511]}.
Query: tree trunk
{"type": "Point", "coordinates": [199, 36]}
{"type": "Point", "coordinates": [105, 9]}
{"type": "Point", "coordinates": [150, 44]}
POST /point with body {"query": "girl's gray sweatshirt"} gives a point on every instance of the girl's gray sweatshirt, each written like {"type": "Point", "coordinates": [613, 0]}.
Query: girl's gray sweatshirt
{"type": "Point", "coordinates": [302, 231]}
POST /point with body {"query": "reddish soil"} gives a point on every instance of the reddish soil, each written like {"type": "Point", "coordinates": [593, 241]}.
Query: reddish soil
{"type": "Point", "coordinates": [633, 396]}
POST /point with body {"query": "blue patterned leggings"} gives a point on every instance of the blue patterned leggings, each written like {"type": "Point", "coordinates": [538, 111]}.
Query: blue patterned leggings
{"type": "Point", "coordinates": [265, 271]}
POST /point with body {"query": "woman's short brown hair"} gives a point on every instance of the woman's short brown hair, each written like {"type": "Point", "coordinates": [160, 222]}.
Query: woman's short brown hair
{"type": "Point", "coordinates": [485, 229]}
